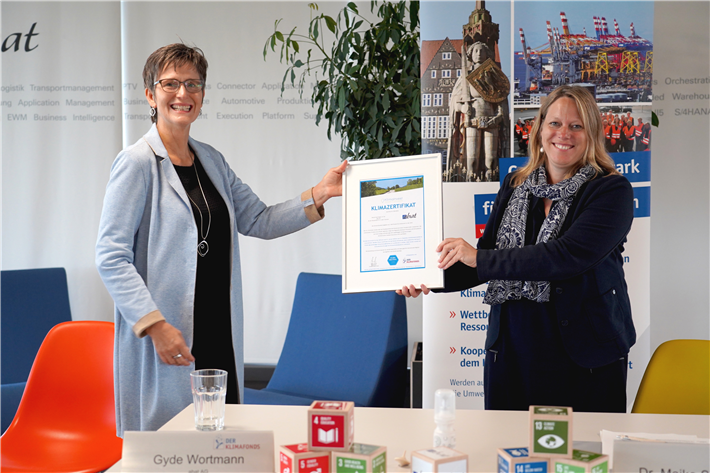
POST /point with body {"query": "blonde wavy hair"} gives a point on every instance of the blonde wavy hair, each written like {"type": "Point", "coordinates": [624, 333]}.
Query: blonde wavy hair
{"type": "Point", "coordinates": [595, 154]}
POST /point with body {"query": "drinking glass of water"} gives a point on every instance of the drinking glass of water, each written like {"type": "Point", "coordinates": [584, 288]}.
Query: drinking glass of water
{"type": "Point", "coordinates": [209, 393]}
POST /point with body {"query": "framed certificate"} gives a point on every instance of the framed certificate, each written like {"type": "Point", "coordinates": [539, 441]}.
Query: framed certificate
{"type": "Point", "coordinates": [392, 223]}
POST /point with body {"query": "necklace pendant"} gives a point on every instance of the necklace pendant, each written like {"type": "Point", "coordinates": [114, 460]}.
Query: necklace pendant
{"type": "Point", "coordinates": [203, 248]}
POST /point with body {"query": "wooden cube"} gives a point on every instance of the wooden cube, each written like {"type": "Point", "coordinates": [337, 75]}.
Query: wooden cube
{"type": "Point", "coordinates": [298, 459]}
{"type": "Point", "coordinates": [331, 425]}
{"type": "Point", "coordinates": [582, 462]}
{"type": "Point", "coordinates": [360, 458]}
{"type": "Point", "coordinates": [434, 460]}
{"type": "Point", "coordinates": [516, 460]}
{"type": "Point", "coordinates": [550, 432]}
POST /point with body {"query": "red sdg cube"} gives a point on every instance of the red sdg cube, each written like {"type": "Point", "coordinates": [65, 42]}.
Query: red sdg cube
{"type": "Point", "coordinates": [298, 459]}
{"type": "Point", "coordinates": [331, 425]}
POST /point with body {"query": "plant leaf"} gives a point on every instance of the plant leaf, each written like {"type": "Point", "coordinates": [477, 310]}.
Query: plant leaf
{"type": "Point", "coordinates": [341, 97]}
{"type": "Point", "coordinates": [367, 84]}
{"type": "Point", "coordinates": [330, 23]}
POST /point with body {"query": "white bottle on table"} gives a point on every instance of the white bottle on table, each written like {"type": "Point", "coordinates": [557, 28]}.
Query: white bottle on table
{"type": "Point", "coordinates": [444, 417]}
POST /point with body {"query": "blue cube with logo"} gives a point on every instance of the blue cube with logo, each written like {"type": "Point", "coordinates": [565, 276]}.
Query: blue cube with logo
{"type": "Point", "coordinates": [516, 460]}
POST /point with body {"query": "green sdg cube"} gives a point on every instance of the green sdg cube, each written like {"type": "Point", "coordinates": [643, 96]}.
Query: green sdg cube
{"type": "Point", "coordinates": [550, 432]}
{"type": "Point", "coordinates": [582, 462]}
{"type": "Point", "coordinates": [360, 458]}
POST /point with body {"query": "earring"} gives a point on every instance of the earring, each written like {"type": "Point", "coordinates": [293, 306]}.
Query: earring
{"type": "Point", "coordinates": [542, 150]}
{"type": "Point", "coordinates": [152, 112]}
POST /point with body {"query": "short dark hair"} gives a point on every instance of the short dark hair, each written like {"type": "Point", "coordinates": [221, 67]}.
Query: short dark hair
{"type": "Point", "coordinates": [175, 55]}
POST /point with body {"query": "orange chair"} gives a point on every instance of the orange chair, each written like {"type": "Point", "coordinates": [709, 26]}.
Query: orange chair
{"type": "Point", "coordinates": [66, 419]}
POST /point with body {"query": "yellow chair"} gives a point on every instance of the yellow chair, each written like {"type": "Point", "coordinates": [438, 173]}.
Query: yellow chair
{"type": "Point", "coordinates": [677, 380]}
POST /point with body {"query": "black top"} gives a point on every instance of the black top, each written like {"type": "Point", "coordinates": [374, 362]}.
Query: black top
{"type": "Point", "coordinates": [212, 341]}
{"type": "Point", "coordinates": [588, 293]}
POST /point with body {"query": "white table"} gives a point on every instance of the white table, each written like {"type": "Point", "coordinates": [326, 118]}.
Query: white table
{"type": "Point", "coordinates": [478, 433]}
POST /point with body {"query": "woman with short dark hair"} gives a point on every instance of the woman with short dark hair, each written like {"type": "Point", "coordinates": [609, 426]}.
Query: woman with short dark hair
{"type": "Point", "coordinates": [168, 250]}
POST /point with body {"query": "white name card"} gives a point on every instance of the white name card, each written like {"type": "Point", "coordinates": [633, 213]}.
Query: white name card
{"type": "Point", "coordinates": [198, 452]}
{"type": "Point", "coordinates": [632, 456]}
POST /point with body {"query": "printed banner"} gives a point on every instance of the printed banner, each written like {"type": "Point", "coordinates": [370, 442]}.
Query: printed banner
{"type": "Point", "coordinates": [455, 324]}
{"type": "Point", "coordinates": [61, 130]}
{"type": "Point", "coordinates": [582, 49]}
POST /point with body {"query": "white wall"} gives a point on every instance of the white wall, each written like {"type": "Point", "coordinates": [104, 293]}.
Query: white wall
{"type": "Point", "coordinates": [680, 164]}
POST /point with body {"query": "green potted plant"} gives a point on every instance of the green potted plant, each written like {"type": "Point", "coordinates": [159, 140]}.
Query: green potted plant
{"type": "Point", "coordinates": [367, 78]}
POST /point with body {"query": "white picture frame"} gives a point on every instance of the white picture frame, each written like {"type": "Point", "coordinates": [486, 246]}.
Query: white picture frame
{"type": "Point", "coordinates": [391, 229]}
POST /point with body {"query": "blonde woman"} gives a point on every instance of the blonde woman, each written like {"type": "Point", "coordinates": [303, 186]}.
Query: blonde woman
{"type": "Point", "coordinates": [560, 325]}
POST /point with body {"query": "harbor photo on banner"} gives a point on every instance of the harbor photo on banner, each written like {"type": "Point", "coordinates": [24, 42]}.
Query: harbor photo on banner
{"type": "Point", "coordinates": [535, 47]}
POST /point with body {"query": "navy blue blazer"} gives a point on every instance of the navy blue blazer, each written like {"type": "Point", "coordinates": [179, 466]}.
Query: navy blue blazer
{"type": "Point", "coordinates": [584, 266]}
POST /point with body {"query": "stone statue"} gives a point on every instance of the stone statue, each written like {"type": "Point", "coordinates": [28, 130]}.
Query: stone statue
{"type": "Point", "coordinates": [477, 109]}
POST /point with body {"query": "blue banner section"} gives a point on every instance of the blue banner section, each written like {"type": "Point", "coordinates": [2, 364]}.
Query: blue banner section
{"type": "Point", "coordinates": [642, 202]}
{"type": "Point", "coordinates": [508, 165]}
{"type": "Point", "coordinates": [636, 166]}
{"type": "Point", "coordinates": [483, 204]}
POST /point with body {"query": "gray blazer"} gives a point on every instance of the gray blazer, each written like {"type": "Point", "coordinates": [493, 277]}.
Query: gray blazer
{"type": "Point", "coordinates": [146, 255]}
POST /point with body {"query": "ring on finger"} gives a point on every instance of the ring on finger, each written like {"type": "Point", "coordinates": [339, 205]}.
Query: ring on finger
{"type": "Point", "coordinates": [179, 355]}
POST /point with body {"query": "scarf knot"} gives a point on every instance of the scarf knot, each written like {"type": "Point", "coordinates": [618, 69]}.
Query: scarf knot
{"type": "Point", "coordinates": [511, 233]}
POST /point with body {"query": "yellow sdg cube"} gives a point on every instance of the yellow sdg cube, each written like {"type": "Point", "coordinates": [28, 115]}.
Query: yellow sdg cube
{"type": "Point", "coordinates": [360, 458]}
{"type": "Point", "coordinates": [439, 459]}
{"type": "Point", "coordinates": [582, 462]}
{"type": "Point", "coordinates": [550, 432]}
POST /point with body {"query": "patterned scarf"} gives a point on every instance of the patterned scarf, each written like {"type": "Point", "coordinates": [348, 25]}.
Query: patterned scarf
{"type": "Point", "coordinates": [511, 233]}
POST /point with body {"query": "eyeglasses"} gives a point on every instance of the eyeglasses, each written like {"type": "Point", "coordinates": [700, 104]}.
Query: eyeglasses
{"type": "Point", "coordinates": [192, 86]}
